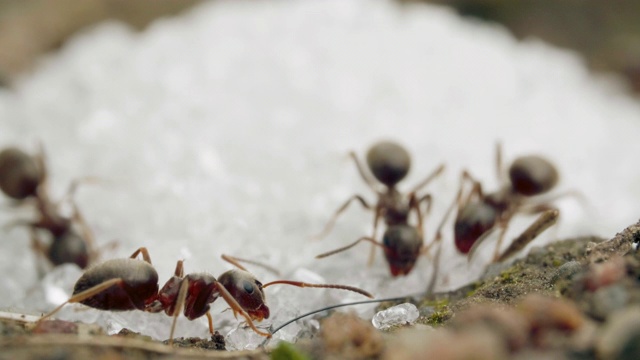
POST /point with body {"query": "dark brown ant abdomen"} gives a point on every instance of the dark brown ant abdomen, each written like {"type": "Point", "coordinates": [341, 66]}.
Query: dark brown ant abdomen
{"type": "Point", "coordinates": [20, 174]}
{"type": "Point", "coordinates": [388, 162]}
{"type": "Point", "coordinates": [69, 248]}
{"type": "Point", "coordinates": [472, 221]}
{"type": "Point", "coordinates": [247, 290]}
{"type": "Point", "coordinates": [140, 284]}
{"type": "Point", "coordinates": [402, 244]}
{"type": "Point", "coordinates": [532, 175]}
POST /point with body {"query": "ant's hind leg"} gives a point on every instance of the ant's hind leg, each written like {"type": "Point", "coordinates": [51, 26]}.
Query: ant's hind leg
{"type": "Point", "coordinates": [544, 221]}
{"type": "Point", "coordinates": [341, 209]}
{"type": "Point", "coordinates": [83, 295]}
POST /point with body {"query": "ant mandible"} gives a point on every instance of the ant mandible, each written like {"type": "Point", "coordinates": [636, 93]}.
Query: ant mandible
{"type": "Point", "coordinates": [24, 178]}
{"type": "Point", "coordinates": [402, 243]}
{"type": "Point", "coordinates": [132, 284]}
{"type": "Point", "coordinates": [479, 214]}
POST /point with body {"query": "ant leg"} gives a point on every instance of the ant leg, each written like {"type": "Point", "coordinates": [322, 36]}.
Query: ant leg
{"type": "Point", "coordinates": [210, 320]}
{"type": "Point", "coordinates": [75, 184]}
{"type": "Point", "coordinates": [235, 261]}
{"type": "Point", "coordinates": [436, 271]}
{"type": "Point", "coordinates": [363, 173]}
{"type": "Point", "coordinates": [144, 252]}
{"type": "Point", "coordinates": [40, 250]}
{"type": "Point", "coordinates": [332, 221]}
{"type": "Point", "coordinates": [501, 176]}
{"type": "Point", "coordinates": [79, 297]}
{"type": "Point", "coordinates": [15, 223]}
{"type": "Point", "coordinates": [373, 241]}
{"type": "Point", "coordinates": [434, 174]}
{"type": "Point", "coordinates": [325, 286]}
{"type": "Point", "coordinates": [43, 187]}
{"type": "Point", "coordinates": [376, 219]}
{"type": "Point", "coordinates": [87, 233]}
{"type": "Point", "coordinates": [428, 199]}
{"type": "Point", "coordinates": [182, 296]}
{"type": "Point", "coordinates": [458, 202]}
{"type": "Point", "coordinates": [237, 309]}
{"type": "Point", "coordinates": [179, 272]}
{"type": "Point", "coordinates": [544, 221]}
{"type": "Point", "coordinates": [36, 244]}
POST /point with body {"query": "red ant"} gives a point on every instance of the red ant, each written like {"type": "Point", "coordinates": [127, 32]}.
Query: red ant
{"type": "Point", "coordinates": [479, 214]}
{"type": "Point", "coordinates": [132, 284]}
{"type": "Point", "coordinates": [24, 178]}
{"type": "Point", "coordinates": [402, 243]}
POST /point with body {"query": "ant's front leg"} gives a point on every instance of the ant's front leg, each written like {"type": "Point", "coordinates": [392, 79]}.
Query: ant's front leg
{"type": "Point", "coordinates": [340, 210]}
{"type": "Point", "coordinates": [373, 184]}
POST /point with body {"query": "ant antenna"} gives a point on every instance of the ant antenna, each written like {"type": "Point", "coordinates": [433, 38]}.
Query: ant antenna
{"type": "Point", "coordinates": [325, 286]}
{"type": "Point", "coordinates": [235, 261]}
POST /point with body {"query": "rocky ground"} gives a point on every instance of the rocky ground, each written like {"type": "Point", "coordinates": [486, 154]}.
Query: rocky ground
{"type": "Point", "coordinates": [574, 299]}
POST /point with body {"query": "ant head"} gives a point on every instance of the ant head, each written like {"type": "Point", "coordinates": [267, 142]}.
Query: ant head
{"type": "Point", "coordinates": [69, 248]}
{"type": "Point", "coordinates": [402, 245]}
{"type": "Point", "coordinates": [532, 175]}
{"type": "Point", "coordinates": [247, 290]}
{"type": "Point", "coordinates": [472, 222]}
{"type": "Point", "coordinates": [389, 162]}
{"type": "Point", "coordinates": [20, 174]}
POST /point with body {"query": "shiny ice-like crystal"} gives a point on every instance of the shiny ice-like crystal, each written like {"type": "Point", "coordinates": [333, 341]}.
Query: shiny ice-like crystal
{"type": "Point", "coordinates": [401, 314]}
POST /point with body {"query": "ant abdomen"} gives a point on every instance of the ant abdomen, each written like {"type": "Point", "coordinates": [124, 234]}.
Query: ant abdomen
{"type": "Point", "coordinates": [532, 175]}
{"type": "Point", "coordinates": [139, 283]}
{"type": "Point", "coordinates": [473, 220]}
{"type": "Point", "coordinates": [402, 245]}
{"type": "Point", "coordinates": [20, 174]}
{"type": "Point", "coordinates": [389, 162]}
{"type": "Point", "coordinates": [69, 247]}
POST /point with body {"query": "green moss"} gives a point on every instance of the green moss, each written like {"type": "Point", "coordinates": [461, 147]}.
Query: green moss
{"type": "Point", "coordinates": [441, 312]}
{"type": "Point", "coordinates": [286, 351]}
{"type": "Point", "coordinates": [438, 317]}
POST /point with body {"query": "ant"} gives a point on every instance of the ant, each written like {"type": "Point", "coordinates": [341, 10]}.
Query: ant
{"type": "Point", "coordinates": [24, 178]}
{"type": "Point", "coordinates": [402, 243]}
{"type": "Point", "coordinates": [132, 284]}
{"type": "Point", "coordinates": [479, 214]}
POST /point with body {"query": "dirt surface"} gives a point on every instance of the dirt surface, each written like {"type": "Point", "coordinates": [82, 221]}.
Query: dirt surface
{"type": "Point", "coordinates": [574, 299]}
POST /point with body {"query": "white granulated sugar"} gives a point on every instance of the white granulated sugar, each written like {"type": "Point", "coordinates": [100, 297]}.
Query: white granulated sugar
{"type": "Point", "coordinates": [226, 130]}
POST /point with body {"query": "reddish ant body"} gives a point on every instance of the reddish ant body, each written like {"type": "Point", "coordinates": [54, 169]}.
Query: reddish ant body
{"type": "Point", "coordinates": [479, 213]}
{"type": "Point", "coordinates": [23, 177]}
{"type": "Point", "coordinates": [132, 284]}
{"type": "Point", "coordinates": [402, 243]}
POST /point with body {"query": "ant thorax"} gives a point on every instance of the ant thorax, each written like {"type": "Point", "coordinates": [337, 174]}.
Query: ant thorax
{"type": "Point", "coordinates": [503, 199]}
{"type": "Point", "coordinates": [394, 207]}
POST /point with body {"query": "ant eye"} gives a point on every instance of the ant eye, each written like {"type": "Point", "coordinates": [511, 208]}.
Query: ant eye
{"type": "Point", "coordinates": [248, 287]}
